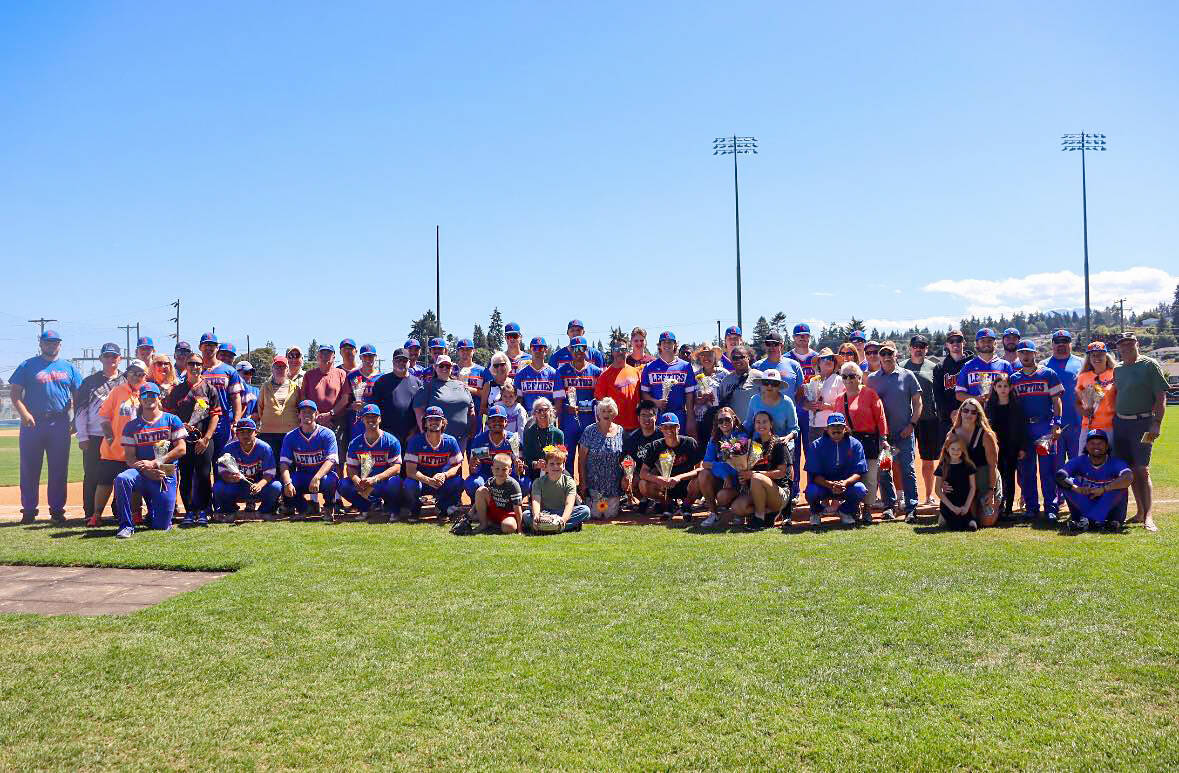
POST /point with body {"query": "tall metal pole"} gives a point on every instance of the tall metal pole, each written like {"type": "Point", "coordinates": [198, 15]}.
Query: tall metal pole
{"type": "Point", "coordinates": [176, 319]}
{"type": "Point", "coordinates": [127, 329]}
{"type": "Point", "coordinates": [1085, 230]}
{"type": "Point", "coordinates": [719, 340]}
{"type": "Point", "coordinates": [438, 278]}
{"type": "Point", "coordinates": [737, 223]}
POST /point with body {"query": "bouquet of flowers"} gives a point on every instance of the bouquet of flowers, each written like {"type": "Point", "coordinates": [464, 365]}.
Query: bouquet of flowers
{"type": "Point", "coordinates": [986, 379]}
{"type": "Point", "coordinates": [161, 449]}
{"type": "Point", "coordinates": [514, 444]}
{"type": "Point", "coordinates": [571, 399]}
{"type": "Point", "coordinates": [1043, 444]}
{"type": "Point", "coordinates": [628, 465]}
{"type": "Point", "coordinates": [1091, 397]}
{"type": "Point", "coordinates": [200, 412]}
{"type": "Point", "coordinates": [736, 451]}
{"type": "Point", "coordinates": [666, 463]}
{"type": "Point", "coordinates": [366, 465]}
{"type": "Point", "coordinates": [226, 463]}
{"type": "Point", "coordinates": [885, 455]}
{"type": "Point", "coordinates": [813, 389]}
{"type": "Point", "coordinates": [359, 387]}
{"type": "Point", "coordinates": [601, 506]}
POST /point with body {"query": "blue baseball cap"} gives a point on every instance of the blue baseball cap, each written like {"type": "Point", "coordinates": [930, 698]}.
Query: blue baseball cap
{"type": "Point", "coordinates": [434, 412]}
{"type": "Point", "coordinates": [668, 419]}
{"type": "Point", "coordinates": [575, 323]}
{"type": "Point", "coordinates": [245, 367]}
{"type": "Point", "coordinates": [1012, 331]}
{"type": "Point", "coordinates": [802, 328]}
{"type": "Point", "coordinates": [145, 341]}
{"type": "Point", "coordinates": [497, 412]}
{"type": "Point", "coordinates": [1097, 433]}
{"type": "Point", "coordinates": [50, 335]}
{"type": "Point", "coordinates": [412, 343]}
{"type": "Point", "coordinates": [327, 348]}
{"type": "Point", "coordinates": [1062, 334]}
{"type": "Point", "coordinates": [347, 342]}
{"type": "Point", "coordinates": [183, 346]}
{"type": "Point", "coordinates": [733, 330]}
{"type": "Point", "coordinates": [666, 335]}
{"type": "Point", "coordinates": [109, 349]}
{"type": "Point", "coordinates": [149, 390]}
{"type": "Point", "coordinates": [227, 347]}
{"type": "Point", "coordinates": [539, 342]}
{"type": "Point", "coordinates": [367, 349]}
{"type": "Point", "coordinates": [370, 409]}
{"type": "Point", "coordinates": [986, 332]}
{"type": "Point", "coordinates": [835, 417]}
{"type": "Point", "coordinates": [465, 343]}
{"type": "Point", "coordinates": [309, 404]}
{"type": "Point", "coordinates": [246, 423]}
{"type": "Point", "coordinates": [857, 335]}
{"type": "Point", "coordinates": [208, 338]}
{"type": "Point", "coordinates": [1025, 346]}
{"type": "Point", "coordinates": [578, 341]}
{"type": "Point", "coordinates": [437, 343]}
{"type": "Point", "coordinates": [512, 327]}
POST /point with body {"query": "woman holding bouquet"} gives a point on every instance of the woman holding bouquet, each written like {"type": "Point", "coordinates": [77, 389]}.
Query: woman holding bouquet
{"type": "Point", "coordinates": [195, 402]}
{"type": "Point", "coordinates": [864, 411]}
{"type": "Point", "coordinates": [708, 378]}
{"type": "Point", "coordinates": [599, 462]}
{"type": "Point", "coordinates": [1094, 395]}
{"type": "Point", "coordinates": [717, 479]}
{"type": "Point", "coordinates": [765, 484]}
{"type": "Point", "coordinates": [823, 392]}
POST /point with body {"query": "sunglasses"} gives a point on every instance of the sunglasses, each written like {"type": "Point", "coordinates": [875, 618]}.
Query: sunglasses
{"type": "Point", "coordinates": [500, 365]}
{"type": "Point", "coordinates": [197, 364]}
{"type": "Point", "coordinates": [444, 366]}
{"type": "Point", "coordinates": [773, 343]}
{"type": "Point", "coordinates": [725, 420]}
{"type": "Point", "coordinates": [967, 410]}
{"type": "Point", "coordinates": [888, 354]}
{"type": "Point", "coordinates": [918, 346]}
{"type": "Point", "coordinates": [736, 357]}
{"type": "Point", "coordinates": [956, 341]}
{"type": "Point", "coordinates": [849, 377]}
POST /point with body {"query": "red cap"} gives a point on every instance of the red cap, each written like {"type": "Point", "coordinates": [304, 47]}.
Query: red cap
{"type": "Point", "coordinates": [279, 360]}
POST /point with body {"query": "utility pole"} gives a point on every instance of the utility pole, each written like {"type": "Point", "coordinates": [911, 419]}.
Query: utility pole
{"type": "Point", "coordinates": [87, 356]}
{"type": "Point", "coordinates": [1082, 142]}
{"type": "Point", "coordinates": [248, 349]}
{"type": "Point", "coordinates": [719, 341]}
{"type": "Point", "coordinates": [128, 352]}
{"type": "Point", "coordinates": [736, 146]}
{"type": "Point", "coordinates": [1121, 302]}
{"type": "Point", "coordinates": [438, 277]}
{"type": "Point", "coordinates": [137, 334]}
{"type": "Point", "coordinates": [176, 319]}
{"type": "Point", "coordinates": [42, 322]}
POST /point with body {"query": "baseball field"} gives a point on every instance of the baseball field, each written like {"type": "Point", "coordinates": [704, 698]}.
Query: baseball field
{"type": "Point", "coordinates": [618, 647]}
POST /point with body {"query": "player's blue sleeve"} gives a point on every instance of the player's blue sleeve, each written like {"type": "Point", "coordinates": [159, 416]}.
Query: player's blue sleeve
{"type": "Point", "coordinates": [20, 376]}
{"type": "Point", "coordinates": [962, 383]}
{"type": "Point", "coordinates": [286, 453]}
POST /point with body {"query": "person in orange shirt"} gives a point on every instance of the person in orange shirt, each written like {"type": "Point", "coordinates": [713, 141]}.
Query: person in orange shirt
{"type": "Point", "coordinates": [620, 382]}
{"type": "Point", "coordinates": [1097, 370]}
{"type": "Point", "coordinates": [120, 407]}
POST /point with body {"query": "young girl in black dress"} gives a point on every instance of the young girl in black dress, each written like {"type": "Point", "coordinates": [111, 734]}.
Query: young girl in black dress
{"type": "Point", "coordinates": [954, 482]}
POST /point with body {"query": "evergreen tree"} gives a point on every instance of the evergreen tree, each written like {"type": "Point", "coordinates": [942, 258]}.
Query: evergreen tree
{"type": "Point", "coordinates": [778, 325]}
{"type": "Point", "coordinates": [495, 331]}
{"type": "Point", "coordinates": [261, 358]}
{"type": "Point", "coordinates": [1175, 310]}
{"type": "Point", "coordinates": [425, 328]}
{"type": "Point", "coordinates": [310, 355]}
{"type": "Point", "coordinates": [478, 338]}
{"type": "Point", "coordinates": [760, 331]}
{"type": "Point", "coordinates": [854, 324]}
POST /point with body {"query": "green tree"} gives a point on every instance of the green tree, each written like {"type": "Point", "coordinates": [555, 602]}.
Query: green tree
{"type": "Point", "coordinates": [854, 324]}
{"type": "Point", "coordinates": [261, 359]}
{"type": "Point", "coordinates": [495, 331]}
{"type": "Point", "coordinates": [1175, 310]}
{"type": "Point", "coordinates": [478, 338]}
{"type": "Point", "coordinates": [310, 354]}
{"type": "Point", "coordinates": [778, 325]}
{"type": "Point", "coordinates": [482, 356]}
{"type": "Point", "coordinates": [760, 331]}
{"type": "Point", "coordinates": [425, 327]}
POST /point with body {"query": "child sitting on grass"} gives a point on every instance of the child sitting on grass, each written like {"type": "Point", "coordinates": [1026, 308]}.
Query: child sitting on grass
{"type": "Point", "coordinates": [554, 496]}
{"type": "Point", "coordinates": [499, 500]}
{"type": "Point", "coordinates": [954, 478]}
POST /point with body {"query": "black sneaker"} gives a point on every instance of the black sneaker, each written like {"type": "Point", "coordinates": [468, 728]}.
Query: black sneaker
{"type": "Point", "coordinates": [57, 519]}
{"type": "Point", "coordinates": [910, 517]}
{"type": "Point", "coordinates": [644, 506]}
{"type": "Point", "coordinates": [1113, 526]}
{"type": "Point", "coordinates": [1078, 525]}
{"type": "Point", "coordinates": [666, 509]}
{"type": "Point", "coordinates": [28, 518]}
{"type": "Point", "coordinates": [328, 514]}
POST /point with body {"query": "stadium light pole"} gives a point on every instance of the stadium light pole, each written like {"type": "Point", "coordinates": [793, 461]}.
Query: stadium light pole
{"type": "Point", "coordinates": [736, 146]}
{"type": "Point", "coordinates": [1082, 142]}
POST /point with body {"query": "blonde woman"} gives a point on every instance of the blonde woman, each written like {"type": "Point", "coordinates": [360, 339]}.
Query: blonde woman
{"type": "Point", "coordinates": [828, 373]}
{"type": "Point", "coordinates": [162, 373]}
{"type": "Point", "coordinates": [1098, 371]}
{"type": "Point", "coordinates": [972, 427]}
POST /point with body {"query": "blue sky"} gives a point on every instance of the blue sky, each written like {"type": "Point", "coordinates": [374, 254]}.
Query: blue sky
{"type": "Point", "coordinates": [300, 155]}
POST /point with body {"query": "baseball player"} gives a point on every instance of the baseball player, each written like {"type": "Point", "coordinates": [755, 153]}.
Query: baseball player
{"type": "Point", "coordinates": [433, 465]}
{"type": "Point", "coordinates": [306, 464]}
{"type": "Point", "coordinates": [143, 438]}
{"type": "Point", "coordinates": [576, 329]}
{"type": "Point", "coordinates": [581, 376]}
{"type": "Point", "coordinates": [972, 375]}
{"type": "Point", "coordinates": [1039, 393]}
{"type": "Point", "coordinates": [381, 485]}
{"type": "Point", "coordinates": [228, 383]}
{"type": "Point", "coordinates": [254, 478]}
{"type": "Point", "coordinates": [1095, 485]}
{"type": "Point", "coordinates": [537, 379]}
{"type": "Point", "coordinates": [671, 383]}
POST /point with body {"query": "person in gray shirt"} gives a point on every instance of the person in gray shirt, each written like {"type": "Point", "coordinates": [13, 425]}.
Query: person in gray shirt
{"type": "Point", "coordinates": [737, 389]}
{"type": "Point", "coordinates": [453, 397]}
{"type": "Point", "coordinates": [900, 392]}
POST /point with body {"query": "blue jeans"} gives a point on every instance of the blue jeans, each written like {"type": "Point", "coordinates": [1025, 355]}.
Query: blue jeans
{"type": "Point", "coordinates": [387, 491]}
{"type": "Point", "coordinates": [852, 497]}
{"type": "Point", "coordinates": [159, 495]}
{"type": "Point", "coordinates": [301, 480]}
{"type": "Point", "coordinates": [1067, 447]}
{"type": "Point", "coordinates": [578, 515]}
{"type": "Point", "coordinates": [50, 439]}
{"type": "Point", "coordinates": [904, 454]}
{"type": "Point", "coordinates": [447, 494]}
{"type": "Point", "coordinates": [227, 495]}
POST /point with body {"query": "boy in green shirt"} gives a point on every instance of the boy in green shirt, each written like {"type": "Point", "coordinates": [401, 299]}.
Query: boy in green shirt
{"type": "Point", "coordinates": [553, 503]}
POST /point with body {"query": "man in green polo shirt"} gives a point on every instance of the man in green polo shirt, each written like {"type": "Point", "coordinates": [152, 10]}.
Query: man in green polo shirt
{"type": "Point", "coordinates": [1140, 399]}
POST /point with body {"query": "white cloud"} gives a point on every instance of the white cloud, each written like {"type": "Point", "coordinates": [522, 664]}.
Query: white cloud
{"type": "Point", "coordinates": [1141, 286]}
{"type": "Point", "coordinates": [824, 295]}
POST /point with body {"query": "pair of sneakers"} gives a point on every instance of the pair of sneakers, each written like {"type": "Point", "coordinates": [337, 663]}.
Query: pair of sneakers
{"type": "Point", "coordinates": [195, 519]}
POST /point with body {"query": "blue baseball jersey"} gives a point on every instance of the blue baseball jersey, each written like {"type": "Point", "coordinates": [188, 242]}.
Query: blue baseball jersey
{"type": "Point", "coordinates": [563, 355]}
{"type": "Point", "coordinates": [355, 379]}
{"type": "Point", "coordinates": [1081, 472]}
{"type": "Point", "coordinates": [249, 399]}
{"type": "Point", "coordinates": [385, 453]}
{"type": "Point", "coordinates": [227, 382]}
{"type": "Point", "coordinates": [475, 377]}
{"type": "Point", "coordinates": [143, 435]}
{"type": "Point", "coordinates": [583, 381]}
{"type": "Point", "coordinates": [809, 362]}
{"type": "Point", "coordinates": [308, 452]}
{"type": "Point", "coordinates": [424, 372]}
{"type": "Point", "coordinates": [517, 362]}
{"type": "Point", "coordinates": [725, 362]}
{"type": "Point", "coordinates": [1035, 392]}
{"type": "Point", "coordinates": [836, 461]}
{"type": "Point", "coordinates": [49, 385]}
{"type": "Point", "coordinates": [968, 377]}
{"type": "Point", "coordinates": [672, 382]}
{"type": "Point", "coordinates": [483, 448]}
{"type": "Point", "coordinates": [432, 460]}
{"type": "Point", "coordinates": [257, 464]}
{"type": "Point", "coordinates": [532, 384]}
{"type": "Point", "coordinates": [1067, 370]}
{"type": "Point", "coordinates": [791, 370]}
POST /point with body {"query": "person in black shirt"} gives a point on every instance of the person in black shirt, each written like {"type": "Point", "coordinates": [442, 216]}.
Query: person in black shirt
{"type": "Point", "coordinates": [1010, 425]}
{"type": "Point", "coordinates": [955, 486]}
{"type": "Point", "coordinates": [945, 379]}
{"type": "Point", "coordinates": [87, 401]}
{"type": "Point", "coordinates": [681, 483]}
{"type": "Point", "coordinates": [633, 446]}
{"type": "Point", "coordinates": [393, 393]}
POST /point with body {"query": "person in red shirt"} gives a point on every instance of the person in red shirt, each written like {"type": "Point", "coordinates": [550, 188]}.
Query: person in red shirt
{"type": "Point", "coordinates": [865, 420]}
{"type": "Point", "coordinates": [620, 381]}
{"type": "Point", "coordinates": [324, 384]}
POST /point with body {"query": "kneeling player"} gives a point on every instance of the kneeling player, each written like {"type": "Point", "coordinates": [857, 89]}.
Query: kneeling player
{"type": "Point", "coordinates": [309, 454]}
{"type": "Point", "coordinates": [433, 465]}
{"type": "Point", "coordinates": [500, 500]}
{"type": "Point", "coordinates": [152, 443]}
{"type": "Point", "coordinates": [250, 477]}
{"type": "Point", "coordinates": [374, 467]}
{"type": "Point", "coordinates": [1095, 485]}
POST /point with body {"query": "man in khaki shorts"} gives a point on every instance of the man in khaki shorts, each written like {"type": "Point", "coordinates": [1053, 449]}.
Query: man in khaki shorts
{"type": "Point", "coordinates": [1140, 399]}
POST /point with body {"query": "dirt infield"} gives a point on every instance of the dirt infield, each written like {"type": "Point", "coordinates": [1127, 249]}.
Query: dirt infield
{"type": "Point", "coordinates": [9, 433]}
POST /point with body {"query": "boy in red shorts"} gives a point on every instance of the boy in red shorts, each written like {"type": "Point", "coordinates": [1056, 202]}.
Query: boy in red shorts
{"type": "Point", "coordinates": [499, 501]}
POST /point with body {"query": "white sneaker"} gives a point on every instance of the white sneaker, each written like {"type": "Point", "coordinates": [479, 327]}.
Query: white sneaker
{"type": "Point", "coordinates": [847, 520]}
{"type": "Point", "coordinates": [816, 520]}
{"type": "Point", "coordinates": [710, 521]}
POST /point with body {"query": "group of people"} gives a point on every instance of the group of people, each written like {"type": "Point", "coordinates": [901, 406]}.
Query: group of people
{"type": "Point", "coordinates": [549, 439]}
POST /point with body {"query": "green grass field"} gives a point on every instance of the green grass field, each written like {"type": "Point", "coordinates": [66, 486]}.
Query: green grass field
{"type": "Point", "coordinates": [619, 647]}
{"type": "Point", "coordinates": [10, 463]}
